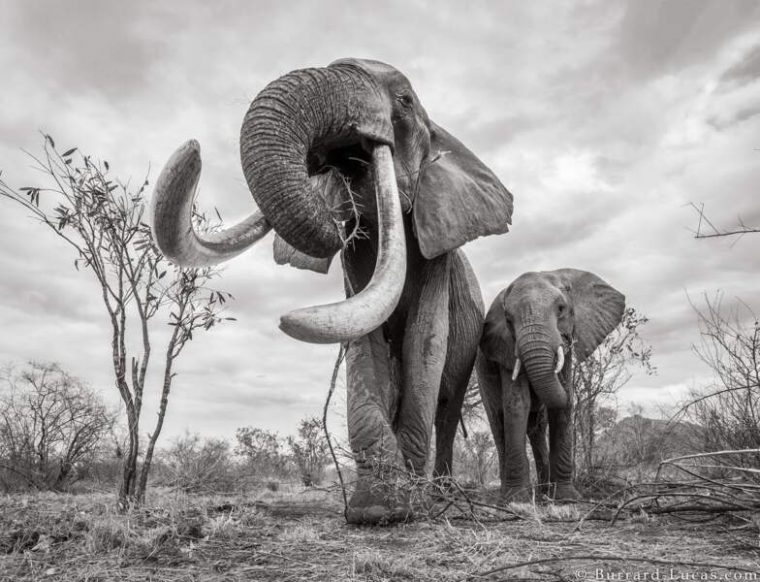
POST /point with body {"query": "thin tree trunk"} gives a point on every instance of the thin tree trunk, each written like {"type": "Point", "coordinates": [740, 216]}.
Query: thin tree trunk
{"type": "Point", "coordinates": [168, 375]}
{"type": "Point", "coordinates": [591, 429]}
{"type": "Point", "coordinates": [129, 468]}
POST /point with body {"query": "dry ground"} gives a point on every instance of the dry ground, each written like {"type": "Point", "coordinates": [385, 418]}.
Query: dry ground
{"type": "Point", "coordinates": [301, 535]}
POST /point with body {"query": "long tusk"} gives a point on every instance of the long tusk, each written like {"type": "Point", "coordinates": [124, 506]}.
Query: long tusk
{"type": "Point", "coordinates": [516, 370]}
{"type": "Point", "coordinates": [560, 360]}
{"type": "Point", "coordinates": [173, 216]}
{"type": "Point", "coordinates": [364, 312]}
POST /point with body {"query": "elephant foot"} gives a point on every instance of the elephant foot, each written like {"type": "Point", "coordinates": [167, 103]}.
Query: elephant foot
{"type": "Point", "coordinates": [378, 504]}
{"type": "Point", "coordinates": [517, 494]}
{"type": "Point", "coordinates": [566, 492]}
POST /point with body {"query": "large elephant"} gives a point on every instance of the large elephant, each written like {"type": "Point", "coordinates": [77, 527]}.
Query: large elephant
{"type": "Point", "coordinates": [524, 367]}
{"type": "Point", "coordinates": [345, 158]}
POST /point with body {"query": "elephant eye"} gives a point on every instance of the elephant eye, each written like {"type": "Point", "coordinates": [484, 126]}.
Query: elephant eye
{"type": "Point", "coordinates": [404, 98]}
{"type": "Point", "coordinates": [561, 308]}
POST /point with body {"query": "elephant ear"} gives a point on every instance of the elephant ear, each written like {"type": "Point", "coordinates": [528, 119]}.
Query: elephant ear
{"type": "Point", "coordinates": [458, 199]}
{"type": "Point", "coordinates": [284, 254]}
{"type": "Point", "coordinates": [598, 308]}
{"type": "Point", "coordinates": [497, 342]}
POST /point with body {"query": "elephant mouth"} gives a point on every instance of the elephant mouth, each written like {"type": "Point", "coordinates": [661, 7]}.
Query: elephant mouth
{"type": "Point", "coordinates": [352, 159]}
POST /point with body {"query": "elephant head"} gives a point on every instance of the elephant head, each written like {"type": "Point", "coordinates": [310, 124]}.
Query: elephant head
{"type": "Point", "coordinates": [535, 321]}
{"type": "Point", "coordinates": [320, 147]}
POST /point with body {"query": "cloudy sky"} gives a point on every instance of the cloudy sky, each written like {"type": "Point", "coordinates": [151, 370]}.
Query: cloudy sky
{"type": "Point", "coordinates": [604, 118]}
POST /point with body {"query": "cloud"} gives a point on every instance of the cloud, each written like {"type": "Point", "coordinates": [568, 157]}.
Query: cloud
{"type": "Point", "coordinates": [605, 119]}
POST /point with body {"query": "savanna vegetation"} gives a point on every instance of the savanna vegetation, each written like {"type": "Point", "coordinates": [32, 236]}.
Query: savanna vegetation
{"type": "Point", "coordinates": [87, 496]}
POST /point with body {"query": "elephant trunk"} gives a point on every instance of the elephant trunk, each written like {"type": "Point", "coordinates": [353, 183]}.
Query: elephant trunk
{"type": "Point", "coordinates": [298, 126]}
{"type": "Point", "coordinates": [173, 210]}
{"type": "Point", "coordinates": [296, 119]}
{"type": "Point", "coordinates": [536, 349]}
{"type": "Point", "coordinates": [290, 130]}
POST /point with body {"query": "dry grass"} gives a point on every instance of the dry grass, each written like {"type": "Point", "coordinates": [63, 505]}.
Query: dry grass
{"type": "Point", "coordinates": [294, 534]}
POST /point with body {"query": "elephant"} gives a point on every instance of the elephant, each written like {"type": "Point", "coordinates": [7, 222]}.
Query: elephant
{"type": "Point", "coordinates": [532, 331]}
{"type": "Point", "coordinates": [345, 158]}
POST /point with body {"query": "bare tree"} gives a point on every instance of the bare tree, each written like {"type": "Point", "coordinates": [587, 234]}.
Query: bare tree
{"type": "Point", "coordinates": [472, 408]}
{"type": "Point", "coordinates": [50, 422]}
{"type": "Point", "coordinates": [310, 451]}
{"type": "Point", "coordinates": [729, 408]}
{"type": "Point", "coordinates": [476, 456]}
{"type": "Point", "coordinates": [643, 443]}
{"type": "Point", "coordinates": [102, 220]}
{"type": "Point", "coordinates": [600, 377]}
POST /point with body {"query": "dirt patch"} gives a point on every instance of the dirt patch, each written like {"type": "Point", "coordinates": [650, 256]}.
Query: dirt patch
{"type": "Point", "coordinates": [304, 537]}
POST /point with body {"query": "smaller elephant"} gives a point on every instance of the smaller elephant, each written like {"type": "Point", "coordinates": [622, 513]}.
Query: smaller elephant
{"type": "Point", "coordinates": [524, 365]}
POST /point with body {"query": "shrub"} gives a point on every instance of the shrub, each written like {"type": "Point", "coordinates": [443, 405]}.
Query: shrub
{"type": "Point", "coordinates": [51, 427]}
{"type": "Point", "coordinates": [310, 451]}
{"type": "Point", "coordinates": [263, 453]}
{"type": "Point", "coordinates": [195, 464]}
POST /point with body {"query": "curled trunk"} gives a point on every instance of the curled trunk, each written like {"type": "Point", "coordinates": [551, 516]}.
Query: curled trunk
{"type": "Point", "coordinates": [289, 131]}
{"type": "Point", "coordinates": [172, 209]}
{"type": "Point", "coordinates": [304, 123]}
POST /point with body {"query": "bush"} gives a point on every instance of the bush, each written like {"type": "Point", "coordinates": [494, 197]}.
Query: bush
{"type": "Point", "coordinates": [263, 453]}
{"type": "Point", "coordinates": [729, 409]}
{"type": "Point", "coordinates": [199, 465]}
{"type": "Point", "coordinates": [310, 451]}
{"type": "Point", "coordinates": [52, 427]}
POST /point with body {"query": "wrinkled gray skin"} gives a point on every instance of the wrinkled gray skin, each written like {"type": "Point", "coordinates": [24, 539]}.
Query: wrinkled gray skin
{"type": "Point", "coordinates": [533, 317]}
{"type": "Point", "coordinates": [306, 136]}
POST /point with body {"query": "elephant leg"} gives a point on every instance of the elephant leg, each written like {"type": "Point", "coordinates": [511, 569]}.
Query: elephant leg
{"type": "Point", "coordinates": [424, 356]}
{"type": "Point", "coordinates": [515, 485]}
{"type": "Point", "coordinates": [372, 394]}
{"type": "Point", "coordinates": [537, 428]}
{"type": "Point", "coordinates": [456, 377]}
{"type": "Point", "coordinates": [447, 418]}
{"type": "Point", "coordinates": [489, 383]}
{"type": "Point", "coordinates": [560, 453]}
{"type": "Point", "coordinates": [466, 312]}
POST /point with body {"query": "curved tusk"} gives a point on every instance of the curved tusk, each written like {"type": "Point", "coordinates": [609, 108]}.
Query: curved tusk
{"type": "Point", "coordinates": [516, 370]}
{"type": "Point", "coordinates": [560, 360]}
{"type": "Point", "coordinates": [172, 207]}
{"type": "Point", "coordinates": [360, 314]}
